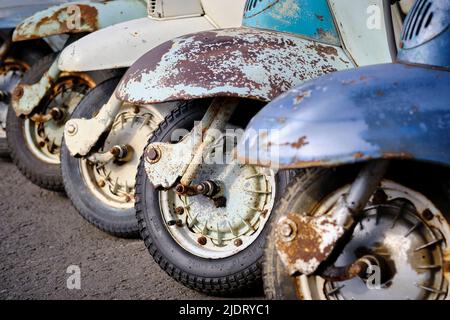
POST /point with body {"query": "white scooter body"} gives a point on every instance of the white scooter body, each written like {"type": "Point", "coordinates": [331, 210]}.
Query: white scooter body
{"type": "Point", "coordinates": [122, 44]}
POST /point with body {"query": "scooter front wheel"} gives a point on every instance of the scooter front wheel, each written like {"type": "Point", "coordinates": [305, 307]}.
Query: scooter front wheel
{"type": "Point", "coordinates": [35, 146]}
{"type": "Point", "coordinates": [103, 192]}
{"type": "Point", "coordinates": [211, 245]}
{"type": "Point", "coordinates": [405, 226]}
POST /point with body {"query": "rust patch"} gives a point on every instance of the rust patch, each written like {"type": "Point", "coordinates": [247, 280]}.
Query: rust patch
{"type": "Point", "coordinates": [379, 93]}
{"type": "Point", "coordinates": [281, 120]}
{"type": "Point", "coordinates": [304, 242]}
{"type": "Point", "coordinates": [319, 17]}
{"type": "Point", "coordinates": [238, 62]}
{"type": "Point", "coordinates": [30, 30]}
{"type": "Point", "coordinates": [323, 50]}
{"type": "Point", "coordinates": [300, 143]}
{"type": "Point", "coordinates": [299, 98]}
{"type": "Point", "coordinates": [358, 155]}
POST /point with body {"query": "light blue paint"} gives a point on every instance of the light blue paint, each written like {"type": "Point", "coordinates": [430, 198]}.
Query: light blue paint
{"type": "Point", "coordinates": [381, 111]}
{"type": "Point", "coordinates": [309, 18]}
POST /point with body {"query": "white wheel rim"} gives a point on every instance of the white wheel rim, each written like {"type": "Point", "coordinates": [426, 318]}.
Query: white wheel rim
{"type": "Point", "coordinates": [111, 183]}
{"type": "Point", "coordinates": [250, 193]}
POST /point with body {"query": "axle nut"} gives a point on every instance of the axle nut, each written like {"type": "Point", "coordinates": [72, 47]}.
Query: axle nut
{"type": "Point", "coordinates": [71, 129]}
{"type": "Point", "coordinates": [152, 155]}
{"type": "Point", "coordinates": [287, 229]}
{"type": "Point", "coordinates": [18, 92]}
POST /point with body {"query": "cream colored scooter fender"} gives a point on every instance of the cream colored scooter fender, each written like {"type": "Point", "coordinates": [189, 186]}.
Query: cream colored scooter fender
{"type": "Point", "coordinates": [121, 45]}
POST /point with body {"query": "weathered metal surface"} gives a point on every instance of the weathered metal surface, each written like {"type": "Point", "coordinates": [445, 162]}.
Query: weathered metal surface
{"type": "Point", "coordinates": [244, 62]}
{"type": "Point", "coordinates": [426, 36]}
{"type": "Point", "coordinates": [166, 162]}
{"type": "Point", "coordinates": [12, 12]}
{"type": "Point", "coordinates": [385, 111]}
{"type": "Point", "coordinates": [131, 40]}
{"type": "Point", "coordinates": [312, 19]}
{"type": "Point", "coordinates": [309, 244]}
{"type": "Point", "coordinates": [364, 29]}
{"type": "Point", "coordinates": [80, 135]}
{"type": "Point", "coordinates": [80, 16]}
{"type": "Point", "coordinates": [26, 96]}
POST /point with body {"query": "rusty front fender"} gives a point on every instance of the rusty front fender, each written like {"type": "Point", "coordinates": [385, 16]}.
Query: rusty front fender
{"type": "Point", "coordinates": [388, 111]}
{"type": "Point", "coordinates": [76, 17]}
{"type": "Point", "coordinates": [237, 62]}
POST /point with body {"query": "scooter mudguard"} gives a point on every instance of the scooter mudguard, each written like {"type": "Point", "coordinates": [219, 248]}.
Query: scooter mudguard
{"type": "Point", "coordinates": [78, 16]}
{"type": "Point", "coordinates": [236, 62]}
{"type": "Point", "coordinates": [388, 111]}
{"type": "Point", "coordinates": [130, 41]}
{"type": "Point", "coordinates": [12, 12]}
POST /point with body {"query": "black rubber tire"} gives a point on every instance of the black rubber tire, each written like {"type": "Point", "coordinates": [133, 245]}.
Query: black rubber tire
{"type": "Point", "coordinates": [226, 276]}
{"type": "Point", "coordinates": [4, 151]}
{"type": "Point", "coordinates": [306, 190]}
{"type": "Point", "coordinates": [117, 222]}
{"type": "Point", "coordinates": [47, 176]}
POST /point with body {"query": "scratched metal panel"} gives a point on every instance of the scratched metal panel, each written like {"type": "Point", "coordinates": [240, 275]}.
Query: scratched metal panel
{"type": "Point", "coordinates": [312, 19]}
{"type": "Point", "coordinates": [94, 15]}
{"type": "Point", "coordinates": [239, 62]}
{"type": "Point", "coordinates": [363, 30]}
{"type": "Point", "coordinates": [384, 111]}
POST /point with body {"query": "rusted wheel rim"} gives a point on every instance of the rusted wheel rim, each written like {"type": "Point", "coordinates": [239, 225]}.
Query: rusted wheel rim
{"type": "Point", "coordinates": [113, 182]}
{"type": "Point", "coordinates": [212, 231]}
{"type": "Point", "coordinates": [408, 232]}
{"type": "Point", "coordinates": [44, 138]}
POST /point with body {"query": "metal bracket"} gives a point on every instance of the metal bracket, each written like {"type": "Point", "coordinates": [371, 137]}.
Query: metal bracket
{"type": "Point", "coordinates": [26, 97]}
{"type": "Point", "coordinates": [81, 135]}
{"type": "Point", "coordinates": [165, 163]}
{"type": "Point", "coordinates": [305, 242]}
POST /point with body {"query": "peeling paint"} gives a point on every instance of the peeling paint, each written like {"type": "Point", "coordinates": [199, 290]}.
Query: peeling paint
{"type": "Point", "coordinates": [352, 116]}
{"type": "Point", "coordinates": [239, 62]}
{"type": "Point", "coordinates": [93, 16]}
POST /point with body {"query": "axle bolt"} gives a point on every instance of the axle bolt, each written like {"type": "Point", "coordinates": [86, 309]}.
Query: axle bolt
{"type": "Point", "coordinates": [202, 240]}
{"type": "Point", "coordinates": [41, 144]}
{"type": "Point", "coordinates": [152, 155]}
{"type": "Point", "coordinates": [56, 113]}
{"type": "Point", "coordinates": [179, 210]}
{"type": "Point", "coordinates": [71, 129]}
{"type": "Point", "coordinates": [238, 242]}
{"type": "Point", "coordinates": [286, 230]}
{"type": "Point", "coordinates": [18, 92]}
{"type": "Point", "coordinates": [428, 215]}
{"type": "Point", "coordinates": [101, 183]}
{"type": "Point", "coordinates": [180, 189]}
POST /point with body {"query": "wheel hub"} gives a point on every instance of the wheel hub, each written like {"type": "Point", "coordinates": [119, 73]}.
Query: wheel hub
{"type": "Point", "coordinates": [113, 181]}
{"type": "Point", "coordinates": [407, 233]}
{"type": "Point", "coordinates": [231, 221]}
{"type": "Point", "coordinates": [44, 138]}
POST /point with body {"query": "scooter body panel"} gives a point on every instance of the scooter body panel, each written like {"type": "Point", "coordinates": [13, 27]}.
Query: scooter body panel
{"type": "Point", "coordinates": [235, 62]}
{"type": "Point", "coordinates": [389, 111]}
{"type": "Point", "coordinates": [79, 16]}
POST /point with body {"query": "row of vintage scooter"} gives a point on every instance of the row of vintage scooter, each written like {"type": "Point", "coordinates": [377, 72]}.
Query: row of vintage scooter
{"type": "Point", "coordinates": [348, 166]}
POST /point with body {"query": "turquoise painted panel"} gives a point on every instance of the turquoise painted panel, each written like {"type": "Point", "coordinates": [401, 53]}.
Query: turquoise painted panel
{"type": "Point", "coordinates": [309, 18]}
